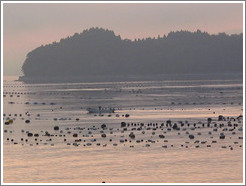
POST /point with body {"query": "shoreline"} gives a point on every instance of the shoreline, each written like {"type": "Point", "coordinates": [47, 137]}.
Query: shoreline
{"type": "Point", "coordinates": [120, 78]}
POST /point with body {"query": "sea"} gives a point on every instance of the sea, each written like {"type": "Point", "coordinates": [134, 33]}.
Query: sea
{"type": "Point", "coordinates": [177, 129]}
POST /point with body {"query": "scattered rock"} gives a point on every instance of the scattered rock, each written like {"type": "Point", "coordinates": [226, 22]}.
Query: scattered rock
{"type": "Point", "coordinates": [191, 136]}
{"type": "Point", "coordinates": [27, 121]}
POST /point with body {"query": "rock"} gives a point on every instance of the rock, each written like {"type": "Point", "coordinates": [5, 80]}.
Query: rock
{"type": "Point", "coordinates": [27, 121]}
{"type": "Point", "coordinates": [56, 128]}
{"type": "Point", "coordinates": [191, 136]}
{"type": "Point", "coordinates": [168, 122]}
{"type": "Point", "coordinates": [103, 126]}
{"type": "Point", "coordinates": [220, 118]}
{"type": "Point", "coordinates": [175, 126]}
{"type": "Point", "coordinates": [75, 144]}
{"type": "Point", "coordinates": [222, 136]}
{"type": "Point", "coordinates": [132, 135]}
{"type": "Point", "coordinates": [29, 134]}
{"type": "Point", "coordinates": [123, 124]}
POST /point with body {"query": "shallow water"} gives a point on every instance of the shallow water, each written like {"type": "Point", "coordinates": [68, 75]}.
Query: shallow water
{"type": "Point", "coordinates": [49, 159]}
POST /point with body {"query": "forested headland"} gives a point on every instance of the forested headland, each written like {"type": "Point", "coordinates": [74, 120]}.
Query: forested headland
{"type": "Point", "coordinates": [99, 52]}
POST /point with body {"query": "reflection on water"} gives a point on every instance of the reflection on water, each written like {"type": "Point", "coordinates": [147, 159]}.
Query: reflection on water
{"type": "Point", "coordinates": [146, 158]}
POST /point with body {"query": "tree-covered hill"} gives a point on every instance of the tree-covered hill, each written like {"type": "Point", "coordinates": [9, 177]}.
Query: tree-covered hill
{"type": "Point", "coordinates": [99, 52]}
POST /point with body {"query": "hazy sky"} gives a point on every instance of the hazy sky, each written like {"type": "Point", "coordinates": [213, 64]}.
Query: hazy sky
{"type": "Point", "coordinates": [27, 26]}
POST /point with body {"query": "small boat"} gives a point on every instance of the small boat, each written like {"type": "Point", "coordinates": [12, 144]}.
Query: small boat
{"type": "Point", "coordinates": [100, 110]}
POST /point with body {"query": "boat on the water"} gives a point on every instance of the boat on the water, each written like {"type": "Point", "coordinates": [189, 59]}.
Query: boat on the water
{"type": "Point", "coordinates": [100, 110]}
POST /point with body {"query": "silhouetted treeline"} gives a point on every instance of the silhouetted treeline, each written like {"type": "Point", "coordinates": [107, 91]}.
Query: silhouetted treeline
{"type": "Point", "coordinates": [98, 52]}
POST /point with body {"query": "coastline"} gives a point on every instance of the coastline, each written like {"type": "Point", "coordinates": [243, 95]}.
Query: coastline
{"type": "Point", "coordinates": [109, 78]}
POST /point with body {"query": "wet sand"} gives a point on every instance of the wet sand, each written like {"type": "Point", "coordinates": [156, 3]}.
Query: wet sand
{"type": "Point", "coordinates": [161, 132]}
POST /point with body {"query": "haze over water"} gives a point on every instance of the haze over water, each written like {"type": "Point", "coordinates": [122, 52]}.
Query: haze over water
{"type": "Point", "coordinates": [123, 92]}
{"type": "Point", "coordinates": [158, 153]}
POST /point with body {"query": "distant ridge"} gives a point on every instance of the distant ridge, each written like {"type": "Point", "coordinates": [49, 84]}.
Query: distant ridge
{"type": "Point", "coordinates": [99, 52]}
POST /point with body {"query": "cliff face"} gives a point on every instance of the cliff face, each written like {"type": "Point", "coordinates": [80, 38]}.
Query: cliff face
{"type": "Point", "coordinates": [99, 52]}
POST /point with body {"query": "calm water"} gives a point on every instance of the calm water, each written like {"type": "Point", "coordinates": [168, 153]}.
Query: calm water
{"type": "Point", "coordinates": [57, 156]}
